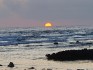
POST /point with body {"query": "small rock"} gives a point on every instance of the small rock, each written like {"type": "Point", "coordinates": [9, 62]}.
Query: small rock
{"type": "Point", "coordinates": [77, 42]}
{"type": "Point", "coordinates": [56, 43]}
{"type": "Point", "coordinates": [32, 68]}
{"type": "Point", "coordinates": [49, 69]}
{"type": "Point", "coordinates": [11, 64]}
{"type": "Point", "coordinates": [1, 65]}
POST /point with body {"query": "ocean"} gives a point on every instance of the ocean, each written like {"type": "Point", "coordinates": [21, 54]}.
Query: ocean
{"type": "Point", "coordinates": [27, 47]}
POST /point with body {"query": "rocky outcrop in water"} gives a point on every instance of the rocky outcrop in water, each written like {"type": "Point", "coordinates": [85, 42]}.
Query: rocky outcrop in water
{"type": "Point", "coordinates": [71, 55]}
{"type": "Point", "coordinates": [55, 43]}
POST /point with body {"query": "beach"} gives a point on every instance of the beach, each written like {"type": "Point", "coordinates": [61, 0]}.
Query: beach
{"type": "Point", "coordinates": [27, 48]}
{"type": "Point", "coordinates": [26, 57]}
{"type": "Point", "coordinates": [42, 64]}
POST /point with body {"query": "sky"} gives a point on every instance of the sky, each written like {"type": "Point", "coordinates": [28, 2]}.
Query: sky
{"type": "Point", "coordinates": [33, 13]}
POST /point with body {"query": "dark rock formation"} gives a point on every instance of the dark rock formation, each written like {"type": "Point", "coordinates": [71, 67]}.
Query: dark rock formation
{"type": "Point", "coordinates": [11, 64]}
{"type": "Point", "coordinates": [55, 43]}
{"type": "Point", "coordinates": [1, 65]}
{"type": "Point", "coordinates": [71, 55]}
{"type": "Point", "coordinates": [49, 69]}
{"type": "Point", "coordinates": [32, 68]}
{"type": "Point", "coordinates": [77, 42]}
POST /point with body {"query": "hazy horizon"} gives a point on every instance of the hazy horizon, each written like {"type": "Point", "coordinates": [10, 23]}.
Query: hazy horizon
{"type": "Point", "coordinates": [34, 13]}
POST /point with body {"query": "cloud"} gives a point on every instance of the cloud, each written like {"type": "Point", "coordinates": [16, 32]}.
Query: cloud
{"type": "Point", "coordinates": [48, 10]}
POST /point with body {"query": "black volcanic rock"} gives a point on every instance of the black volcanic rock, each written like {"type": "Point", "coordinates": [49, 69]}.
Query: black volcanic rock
{"type": "Point", "coordinates": [55, 43]}
{"type": "Point", "coordinates": [32, 68]}
{"type": "Point", "coordinates": [11, 64]}
{"type": "Point", "coordinates": [1, 65]}
{"type": "Point", "coordinates": [71, 55]}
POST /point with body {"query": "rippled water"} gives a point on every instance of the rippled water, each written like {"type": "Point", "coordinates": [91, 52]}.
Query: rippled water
{"type": "Point", "coordinates": [44, 36]}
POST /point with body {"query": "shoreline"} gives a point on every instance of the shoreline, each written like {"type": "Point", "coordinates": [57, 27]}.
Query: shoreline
{"type": "Point", "coordinates": [53, 65]}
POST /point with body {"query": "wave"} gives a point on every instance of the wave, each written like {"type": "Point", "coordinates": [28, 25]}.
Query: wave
{"type": "Point", "coordinates": [41, 35]}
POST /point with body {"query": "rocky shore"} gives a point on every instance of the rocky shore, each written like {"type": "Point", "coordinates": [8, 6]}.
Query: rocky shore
{"type": "Point", "coordinates": [71, 55]}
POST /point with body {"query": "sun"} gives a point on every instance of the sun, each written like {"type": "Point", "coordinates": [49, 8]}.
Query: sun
{"type": "Point", "coordinates": [48, 24]}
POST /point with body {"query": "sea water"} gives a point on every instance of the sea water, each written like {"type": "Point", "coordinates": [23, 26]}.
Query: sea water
{"type": "Point", "coordinates": [27, 47]}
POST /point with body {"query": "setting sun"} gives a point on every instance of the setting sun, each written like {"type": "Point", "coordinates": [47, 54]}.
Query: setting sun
{"type": "Point", "coordinates": [48, 24]}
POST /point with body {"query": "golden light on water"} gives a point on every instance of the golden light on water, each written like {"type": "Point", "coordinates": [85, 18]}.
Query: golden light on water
{"type": "Point", "coordinates": [48, 24]}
